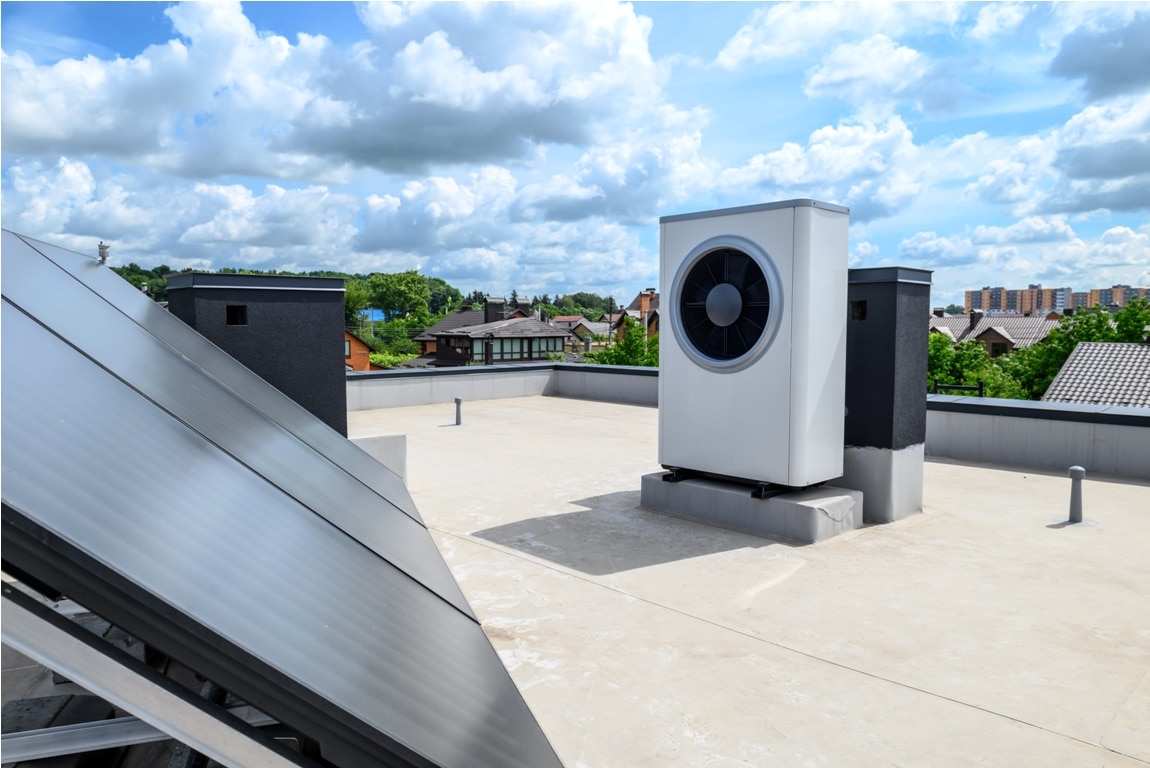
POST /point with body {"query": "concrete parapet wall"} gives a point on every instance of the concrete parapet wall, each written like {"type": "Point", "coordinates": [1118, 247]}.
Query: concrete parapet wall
{"type": "Point", "coordinates": [401, 388]}
{"type": "Point", "coordinates": [609, 383]}
{"type": "Point", "coordinates": [1107, 439]}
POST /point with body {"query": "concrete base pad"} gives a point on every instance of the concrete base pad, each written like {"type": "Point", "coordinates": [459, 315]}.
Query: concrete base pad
{"type": "Point", "coordinates": [891, 480]}
{"type": "Point", "coordinates": [805, 516]}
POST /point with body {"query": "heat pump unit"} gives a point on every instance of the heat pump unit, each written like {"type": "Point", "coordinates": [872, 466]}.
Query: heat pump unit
{"type": "Point", "coordinates": [751, 373]}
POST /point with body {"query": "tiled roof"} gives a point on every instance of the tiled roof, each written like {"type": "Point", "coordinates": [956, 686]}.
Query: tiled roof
{"type": "Point", "coordinates": [637, 303]}
{"type": "Point", "coordinates": [1104, 373]}
{"type": "Point", "coordinates": [451, 322]}
{"type": "Point", "coordinates": [517, 327]}
{"type": "Point", "coordinates": [1022, 330]}
{"type": "Point", "coordinates": [566, 318]}
{"type": "Point", "coordinates": [598, 329]}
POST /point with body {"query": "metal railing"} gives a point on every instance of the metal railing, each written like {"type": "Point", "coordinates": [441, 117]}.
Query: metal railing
{"type": "Point", "coordinates": [980, 388]}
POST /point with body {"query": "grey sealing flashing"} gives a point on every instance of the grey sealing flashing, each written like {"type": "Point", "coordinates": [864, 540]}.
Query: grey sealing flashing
{"type": "Point", "coordinates": [254, 282]}
{"type": "Point", "coordinates": [889, 275]}
{"type": "Point", "coordinates": [478, 370]}
{"type": "Point", "coordinates": [1036, 409]}
{"type": "Point", "coordinates": [799, 203]}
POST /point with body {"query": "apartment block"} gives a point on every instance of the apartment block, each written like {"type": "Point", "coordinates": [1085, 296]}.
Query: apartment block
{"type": "Point", "coordinates": [1034, 298]}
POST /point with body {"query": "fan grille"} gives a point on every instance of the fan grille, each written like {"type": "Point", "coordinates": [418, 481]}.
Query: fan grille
{"type": "Point", "coordinates": [708, 325]}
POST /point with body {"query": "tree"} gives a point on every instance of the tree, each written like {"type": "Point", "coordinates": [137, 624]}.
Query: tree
{"type": "Point", "coordinates": [152, 280]}
{"type": "Point", "coordinates": [444, 298]}
{"type": "Point", "coordinates": [634, 349]}
{"type": "Point", "coordinates": [1132, 322]}
{"type": "Point", "coordinates": [966, 363]}
{"type": "Point", "coordinates": [356, 298]}
{"type": "Point", "coordinates": [400, 294]}
{"type": "Point", "coordinates": [1026, 373]}
{"type": "Point", "coordinates": [955, 309]}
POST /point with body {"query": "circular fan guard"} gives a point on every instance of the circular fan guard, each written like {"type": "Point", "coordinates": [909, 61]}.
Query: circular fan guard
{"type": "Point", "coordinates": [728, 298]}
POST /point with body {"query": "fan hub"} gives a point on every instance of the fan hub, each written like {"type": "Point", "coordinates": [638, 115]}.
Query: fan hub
{"type": "Point", "coordinates": [724, 304]}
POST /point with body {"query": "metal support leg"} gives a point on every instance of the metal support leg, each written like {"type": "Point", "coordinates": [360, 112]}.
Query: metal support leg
{"type": "Point", "coordinates": [35, 631]}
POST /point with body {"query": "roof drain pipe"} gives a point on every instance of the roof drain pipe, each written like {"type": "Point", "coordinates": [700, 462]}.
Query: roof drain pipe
{"type": "Point", "coordinates": [1077, 474]}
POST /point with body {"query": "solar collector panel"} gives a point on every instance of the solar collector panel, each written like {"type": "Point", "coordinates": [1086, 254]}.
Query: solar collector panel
{"type": "Point", "coordinates": [109, 287]}
{"type": "Point", "coordinates": [204, 548]}
{"type": "Point", "coordinates": [170, 380]}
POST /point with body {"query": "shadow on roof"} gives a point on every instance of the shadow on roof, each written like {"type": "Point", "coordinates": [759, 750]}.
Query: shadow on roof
{"type": "Point", "coordinates": [614, 534]}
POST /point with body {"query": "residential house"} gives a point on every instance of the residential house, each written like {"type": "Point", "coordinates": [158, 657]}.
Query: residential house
{"type": "Point", "coordinates": [644, 309]}
{"type": "Point", "coordinates": [520, 339]}
{"type": "Point", "coordinates": [589, 328]}
{"type": "Point", "coordinates": [567, 322]}
{"type": "Point", "coordinates": [493, 310]}
{"type": "Point", "coordinates": [1001, 333]}
{"type": "Point", "coordinates": [1104, 373]}
{"type": "Point", "coordinates": [356, 353]}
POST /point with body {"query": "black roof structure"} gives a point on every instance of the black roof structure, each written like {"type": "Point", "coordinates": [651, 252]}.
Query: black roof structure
{"type": "Point", "coordinates": [512, 328]}
{"type": "Point", "coordinates": [165, 487]}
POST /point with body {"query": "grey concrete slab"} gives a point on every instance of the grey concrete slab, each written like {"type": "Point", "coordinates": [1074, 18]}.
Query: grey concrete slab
{"type": "Point", "coordinates": [805, 516]}
{"type": "Point", "coordinates": [982, 631]}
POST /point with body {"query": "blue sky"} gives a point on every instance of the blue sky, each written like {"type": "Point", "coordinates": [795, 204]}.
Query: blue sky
{"type": "Point", "coordinates": [535, 146]}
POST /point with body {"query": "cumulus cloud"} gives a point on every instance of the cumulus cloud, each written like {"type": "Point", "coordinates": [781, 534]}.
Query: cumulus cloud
{"type": "Point", "coordinates": [1110, 62]}
{"type": "Point", "coordinates": [1032, 229]}
{"type": "Point", "coordinates": [788, 29]}
{"type": "Point", "coordinates": [1118, 255]}
{"type": "Point", "coordinates": [928, 248]}
{"type": "Point", "coordinates": [222, 98]}
{"type": "Point", "coordinates": [872, 73]}
{"type": "Point", "coordinates": [997, 19]}
{"type": "Point", "coordinates": [870, 167]}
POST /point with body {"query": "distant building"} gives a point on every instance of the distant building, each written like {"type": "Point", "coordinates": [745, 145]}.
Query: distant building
{"type": "Point", "coordinates": [356, 353]}
{"type": "Point", "coordinates": [492, 311]}
{"type": "Point", "coordinates": [1033, 299]}
{"type": "Point", "coordinates": [1036, 299]}
{"type": "Point", "coordinates": [643, 309]}
{"type": "Point", "coordinates": [519, 339]}
{"type": "Point", "coordinates": [1001, 333]}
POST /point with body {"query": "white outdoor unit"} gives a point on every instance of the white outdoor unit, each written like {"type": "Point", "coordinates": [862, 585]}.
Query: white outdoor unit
{"type": "Point", "coordinates": [753, 356]}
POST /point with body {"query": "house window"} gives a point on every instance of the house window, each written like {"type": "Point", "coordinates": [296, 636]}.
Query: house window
{"type": "Point", "coordinates": [858, 310]}
{"type": "Point", "coordinates": [346, 349]}
{"type": "Point", "coordinates": [237, 314]}
{"type": "Point", "coordinates": [998, 348]}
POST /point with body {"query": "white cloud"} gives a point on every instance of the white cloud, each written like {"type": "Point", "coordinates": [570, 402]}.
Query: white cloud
{"type": "Point", "coordinates": [873, 168]}
{"type": "Point", "coordinates": [863, 254]}
{"type": "Point", "coordinates": [998, 19]}
{"type": "Point", "coordinates": [789, 29]}
{"type": "Point", "coordinates": [1032, 229]}
{"type": "Point", "coordinates": [382, 16]}
{"type": "Point", "coordinates": [871, 74]}
{"type": "Point", "coordinates": [437, 72]}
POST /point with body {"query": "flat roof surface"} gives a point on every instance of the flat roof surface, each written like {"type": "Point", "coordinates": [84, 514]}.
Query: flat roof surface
{"type": "Point", "coordinates": [983, 631]}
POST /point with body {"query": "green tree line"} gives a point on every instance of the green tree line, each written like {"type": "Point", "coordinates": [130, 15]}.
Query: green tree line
{"type": "Point", "coordinates": [1026, 373]}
